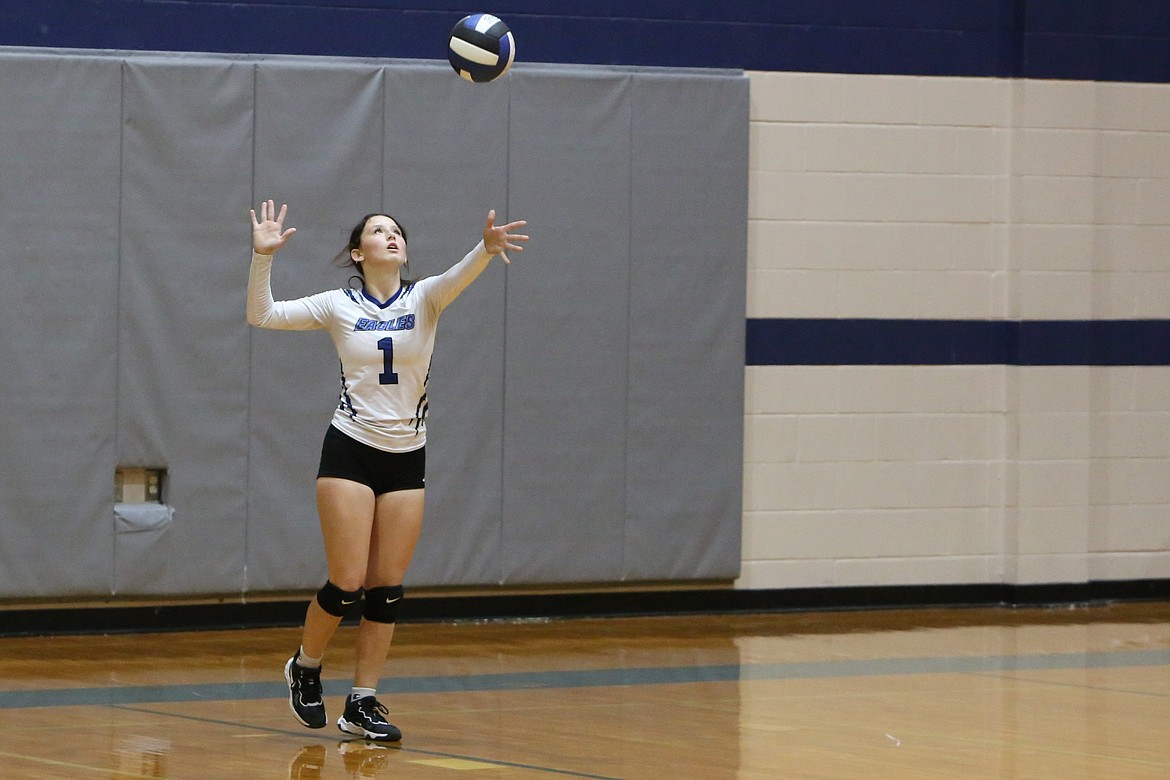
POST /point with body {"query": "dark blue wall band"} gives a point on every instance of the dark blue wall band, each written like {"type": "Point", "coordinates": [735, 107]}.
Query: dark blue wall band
{"type": "Point", "coordinates": [873, 342]}
{"type": "Point", "coordinates": [1103, 40]}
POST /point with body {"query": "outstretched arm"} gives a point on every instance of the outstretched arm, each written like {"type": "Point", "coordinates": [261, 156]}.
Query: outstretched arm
{"type": "Point", "coordinates": [497, 240]}
{"type": "Point", "coordinates": [269, 235]}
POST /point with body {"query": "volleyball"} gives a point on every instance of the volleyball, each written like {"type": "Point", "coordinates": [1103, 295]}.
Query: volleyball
{"type": "Point", "coordinates": [481, 48]}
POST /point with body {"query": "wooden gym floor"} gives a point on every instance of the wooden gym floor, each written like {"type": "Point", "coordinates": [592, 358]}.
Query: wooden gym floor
{"type": "Point", "coordinates": [963, 693]}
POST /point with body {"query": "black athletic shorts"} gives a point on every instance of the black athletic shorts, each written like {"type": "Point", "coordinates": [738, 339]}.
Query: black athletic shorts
{"type": "Point", "coordinates": [383, 472]}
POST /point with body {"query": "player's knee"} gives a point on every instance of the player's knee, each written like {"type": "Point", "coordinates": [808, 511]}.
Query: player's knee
{"type": "Point", "coordinates": [335, 601]}
{"type": "Point", "coordinates": [382, 604]}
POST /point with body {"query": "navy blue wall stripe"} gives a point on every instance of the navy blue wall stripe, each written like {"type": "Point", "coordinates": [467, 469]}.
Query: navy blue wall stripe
{"type": "Point", "coordinates": [874, 342]}
{"type": "Point", "coordinates": [1104, 40]}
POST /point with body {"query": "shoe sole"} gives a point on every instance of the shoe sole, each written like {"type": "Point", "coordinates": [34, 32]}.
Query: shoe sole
{"type": "Point", "coordinates": [297, 715]}
{"type": "Point", "coordinates": [358, 731]}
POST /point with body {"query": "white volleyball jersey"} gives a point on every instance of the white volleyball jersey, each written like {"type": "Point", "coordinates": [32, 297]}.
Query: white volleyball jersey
{"type": "Point", "coordinates": [385, 351]}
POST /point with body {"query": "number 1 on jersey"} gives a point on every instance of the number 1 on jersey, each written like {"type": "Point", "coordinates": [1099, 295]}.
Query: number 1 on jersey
{"type": "Point", "coordinates": [387, 377]}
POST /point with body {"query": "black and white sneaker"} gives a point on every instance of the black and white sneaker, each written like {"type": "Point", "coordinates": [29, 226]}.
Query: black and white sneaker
{"type": "Point", "coordinates": [365, 717]}
{"type": "Point", "coordinates": [304, 694]}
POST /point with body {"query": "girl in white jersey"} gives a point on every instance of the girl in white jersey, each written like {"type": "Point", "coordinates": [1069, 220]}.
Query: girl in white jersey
{"type": "Point", "coordinates": [371, 479]}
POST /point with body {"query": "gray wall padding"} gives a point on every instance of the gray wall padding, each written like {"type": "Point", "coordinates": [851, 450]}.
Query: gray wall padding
{"type": "Point", "coordinates": [448, 144]}
{"type": "Point", "coordinates": [686, 368]}
{"type": "Point", "coordinates": [183, 362]}
{"type": "Point", "coordinates": [59, 242]}
{"type": "Point", "coordinates": [318, 146]}
{"type": "Point", "coordinates": [587, 401]}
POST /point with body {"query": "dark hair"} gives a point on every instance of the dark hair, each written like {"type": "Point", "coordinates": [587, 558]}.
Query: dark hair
{"type": "Point", "coordinates": [344, 258]}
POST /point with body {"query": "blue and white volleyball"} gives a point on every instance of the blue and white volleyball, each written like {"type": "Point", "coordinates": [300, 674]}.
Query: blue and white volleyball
{"type": "Point", "coordinates": [481, 48]}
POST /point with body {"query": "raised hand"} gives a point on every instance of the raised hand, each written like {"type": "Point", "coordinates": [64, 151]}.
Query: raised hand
{"type": "Point", "coordinates": [269, 233]}
{"type": "Point", "coordinates": [498, 239]}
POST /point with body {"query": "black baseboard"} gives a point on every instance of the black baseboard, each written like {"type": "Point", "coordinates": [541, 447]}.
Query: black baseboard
{"type": "Point", "coordinates": [110, 619]}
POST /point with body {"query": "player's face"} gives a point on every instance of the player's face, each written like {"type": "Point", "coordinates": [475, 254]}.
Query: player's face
{"type": "Point", "coordinates": [382, 243]}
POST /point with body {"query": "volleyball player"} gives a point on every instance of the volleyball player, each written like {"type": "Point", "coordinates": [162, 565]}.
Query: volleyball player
{"type": "Point", "coordinates": [371, 478]}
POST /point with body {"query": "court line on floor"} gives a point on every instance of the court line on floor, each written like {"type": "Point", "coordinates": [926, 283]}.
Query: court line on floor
{"type": "Point", "coordinates": [585, 678]}
{"type": "Point", "coordinates": [1064, 684]}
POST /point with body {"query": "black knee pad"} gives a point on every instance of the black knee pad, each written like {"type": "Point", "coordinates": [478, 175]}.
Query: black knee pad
{"type": "Point", "coordinates": [382, 604]}
{"type": "Point", "coordinates": [335, 601]}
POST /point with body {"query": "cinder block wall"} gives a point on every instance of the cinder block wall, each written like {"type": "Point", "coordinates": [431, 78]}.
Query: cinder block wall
{"type": "Point", "coordinates": [957, 198]}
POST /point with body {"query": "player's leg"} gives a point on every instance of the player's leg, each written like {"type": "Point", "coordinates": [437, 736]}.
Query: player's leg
{"type": "Point", "coordinates": [397, 524]}
{"type": "Point", "coordinates": [346, 511]}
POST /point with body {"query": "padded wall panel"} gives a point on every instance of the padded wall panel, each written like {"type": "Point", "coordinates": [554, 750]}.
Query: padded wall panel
{"type": "Point", "coordinates": [684, 443]}
{"type": "Point", "coordinates": [446, 165]}
{"type": "Point", "coordinates": [59, 125]}
{"type": "Point", "coordinates": [318, 142]}
{"type": "Point", "coordinates": [564, 441]}
{"type": "Point", "coordinates": [566, 330]}
{"type": "Point", "coordinates": [183, 350]}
